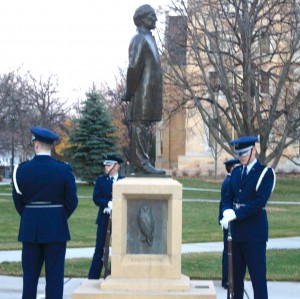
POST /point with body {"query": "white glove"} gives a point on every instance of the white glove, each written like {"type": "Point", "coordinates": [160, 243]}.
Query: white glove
{"type": "Point", "coordinates": [224, 223]}
{"type": "Point", "coordinates": [107, 211]}
{"type": "Point", "coordinates": [229, 213]}
{"type": "Point", "coordinates": [110, 204]}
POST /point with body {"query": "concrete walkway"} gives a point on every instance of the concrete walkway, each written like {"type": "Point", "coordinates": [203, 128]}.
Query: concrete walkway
{"type": "Point", "coordinates": [11, 287]}
{"type": "Point", "coordinates": [276, 243]}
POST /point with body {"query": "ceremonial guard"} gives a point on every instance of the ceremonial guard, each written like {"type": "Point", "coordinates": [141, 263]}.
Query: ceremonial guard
{"type": "Point", "coordinates": [102, 198]}
{"type": "Point", "coordinates": [244, 205]}
{"type": "Point", "coordinates": [229, 165]}
{"type": "Point", "coordinates": [44, 194]}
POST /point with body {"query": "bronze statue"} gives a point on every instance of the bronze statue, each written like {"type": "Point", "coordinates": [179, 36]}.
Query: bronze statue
{"type": "Point", "coordinates": [143, 90]}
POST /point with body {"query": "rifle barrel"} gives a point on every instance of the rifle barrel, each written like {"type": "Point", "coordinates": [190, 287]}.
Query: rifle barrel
{"type": "Point", "coordinates": [230, 291]}
{"type": "Point", "coordinates": [107, 270]}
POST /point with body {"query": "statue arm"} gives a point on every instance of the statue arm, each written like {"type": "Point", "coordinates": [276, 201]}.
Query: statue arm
{"type": "Point", "coordinates": [135, 69]}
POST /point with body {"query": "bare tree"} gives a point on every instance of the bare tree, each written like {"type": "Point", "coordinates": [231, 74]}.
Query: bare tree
{"type": "Point", "coordinates": [240, 69]}
{"type": "Point", "coordinates": [119, 109]}
{"type": "Point", "coordinates": [13, 115]}
{"type": "Point", "coordinates": [25, 102]}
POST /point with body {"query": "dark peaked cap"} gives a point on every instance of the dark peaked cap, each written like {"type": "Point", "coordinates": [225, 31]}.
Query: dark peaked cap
{"type": "Point", "coordinates": [44, 135]}
{"type": "Point", "coordinates": [243, 144]}
{"type": "Point", "coordinates": [112, 159]}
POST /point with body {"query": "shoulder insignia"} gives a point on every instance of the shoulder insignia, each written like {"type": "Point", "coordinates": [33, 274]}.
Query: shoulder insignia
{"type": "Point", "coordinates": [15, 180]}
{"type": "Point", "coordinates": [63, 162]}
{"type": "Point", "coordinates": [262, 176]}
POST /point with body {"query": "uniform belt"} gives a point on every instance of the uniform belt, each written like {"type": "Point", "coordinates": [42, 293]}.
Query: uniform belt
{"type": "Point", "coordinates": [239, 205]}
{"type": "Point", "coordinates": [43, 204]}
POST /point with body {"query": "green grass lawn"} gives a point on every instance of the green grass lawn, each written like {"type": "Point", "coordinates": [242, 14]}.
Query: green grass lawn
{"type": "Point", "coordinates": [200, 224]}
{"type": "Point", "coordinates": [282, 265]}
{"type": "Point", "coordinates": [200, 219]}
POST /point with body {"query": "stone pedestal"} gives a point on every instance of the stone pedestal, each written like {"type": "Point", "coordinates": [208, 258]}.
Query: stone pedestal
{"type": "Point", "coordinates": [146, 245]}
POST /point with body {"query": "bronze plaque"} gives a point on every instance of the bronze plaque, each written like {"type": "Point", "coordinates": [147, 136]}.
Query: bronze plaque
{"type": "Point", "coordinates": [147, 226]}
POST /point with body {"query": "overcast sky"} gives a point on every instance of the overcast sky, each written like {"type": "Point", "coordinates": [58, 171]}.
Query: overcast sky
{"type": "Point", "coordinates": [80, 41]}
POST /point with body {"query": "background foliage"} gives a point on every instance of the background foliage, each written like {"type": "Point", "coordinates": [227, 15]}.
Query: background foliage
{"type": "Point", "coordinates": [92, 137]}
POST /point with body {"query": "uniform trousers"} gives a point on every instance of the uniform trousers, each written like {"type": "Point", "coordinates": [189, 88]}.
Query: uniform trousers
{"type": "Point", "coordinates": [253, 256]}
{"type": "Point", "coordinates": [97, 262]}
{"type": "Point", "coordinates": [33, 257]}
{"type": "Point", "coordinates": [225, 259]}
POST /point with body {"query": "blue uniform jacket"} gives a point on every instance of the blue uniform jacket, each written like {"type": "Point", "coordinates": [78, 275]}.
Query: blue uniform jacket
{"type": "Point", "coordinates": [251, 222]}
{"type": "Point", "coordinates": [44, 179]}
{"type": "Point", "coordinates": [225, 185]}
{"type": "Point", "coordinates": [102, 195]}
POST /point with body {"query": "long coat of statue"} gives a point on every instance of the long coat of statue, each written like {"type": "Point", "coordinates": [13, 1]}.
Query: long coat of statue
{"type": "Point", "coordinates": [144, 78]}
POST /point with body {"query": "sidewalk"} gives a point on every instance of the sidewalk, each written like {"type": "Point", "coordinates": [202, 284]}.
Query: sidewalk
{"type": "Point", "coordinates": [276, 243]}
{"type": "Point", "coordinates": [11, 287]}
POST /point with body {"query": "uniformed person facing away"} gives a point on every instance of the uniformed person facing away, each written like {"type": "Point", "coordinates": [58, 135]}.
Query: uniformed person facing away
{"type": "Point", "coordinates": [250, 187]}
{"type": "Point", "coordinates": [102, 198]}
{"type": "Point", "coordinates": [229, 165]}
{"type": "Point", "coordinates": [44, 194]}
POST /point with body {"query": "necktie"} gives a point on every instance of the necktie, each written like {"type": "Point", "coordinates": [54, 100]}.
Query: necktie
{"type": "Point", "coordinates": [244, 173]}
{"type": "Point", "coordinates": [111, 179]}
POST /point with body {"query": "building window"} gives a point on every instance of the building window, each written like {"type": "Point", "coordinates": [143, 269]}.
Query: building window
{"type": "Point", "coordinates": [212, 129]}
{"type": "Point", "coordinates": [213, 41]}
{"type": "Point", "coordinates": [176, 39]}
{"type": "Point", "coordinates": [265, 43]}
{"type": "Point", "coordinates": [264, 82]}
{"type": "Point", "coordinates": [214, 81]}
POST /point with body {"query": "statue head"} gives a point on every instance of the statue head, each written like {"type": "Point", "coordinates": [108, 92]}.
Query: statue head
{"type": "Point", "coordinates": [143, 12]}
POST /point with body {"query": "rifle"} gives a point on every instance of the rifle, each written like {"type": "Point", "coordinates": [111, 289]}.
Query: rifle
{"type": "Point", "coordinates": [107, 269]}
{"type": "Point", "coordinates": [230, 291]}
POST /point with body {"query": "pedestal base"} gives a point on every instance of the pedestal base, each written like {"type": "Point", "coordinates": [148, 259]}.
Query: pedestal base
{"type": "Point", "coordinates": [142, 284]}
{"type": "Point", "coordinates": [91, 289]}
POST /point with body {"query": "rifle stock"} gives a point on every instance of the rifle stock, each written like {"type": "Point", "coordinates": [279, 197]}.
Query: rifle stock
{"type": "Point", "coordinates": [230, 291]}
{"type": "Point", "coordinates": [107, 269]}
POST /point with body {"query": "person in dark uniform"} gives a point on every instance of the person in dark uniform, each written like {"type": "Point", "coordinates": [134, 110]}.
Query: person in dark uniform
{"type": "Point", "coordinates": [244, 205]}
{"type": "Point", "coordinates": [102, 198]}
{"type": "Point", "coordinates": [229, 165]}
{"type": "Point", "coordinates": [44, 194]}
{"type": "Point", "coordinates": [143, 91]}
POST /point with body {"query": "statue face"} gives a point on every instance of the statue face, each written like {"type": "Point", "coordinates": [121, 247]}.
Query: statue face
{"type": "Point", "coordinates": [149, 20]}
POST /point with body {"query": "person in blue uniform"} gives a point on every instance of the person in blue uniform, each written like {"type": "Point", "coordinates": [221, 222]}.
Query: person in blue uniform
{"type": "Point", "coordinates": [244, 205]}
{"type": "Point", "coordinates": [229, 165]}
{"type": "Point", "coordinates": [102, 198]}
{"type": "Point", "coordinates": [44, 194]}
